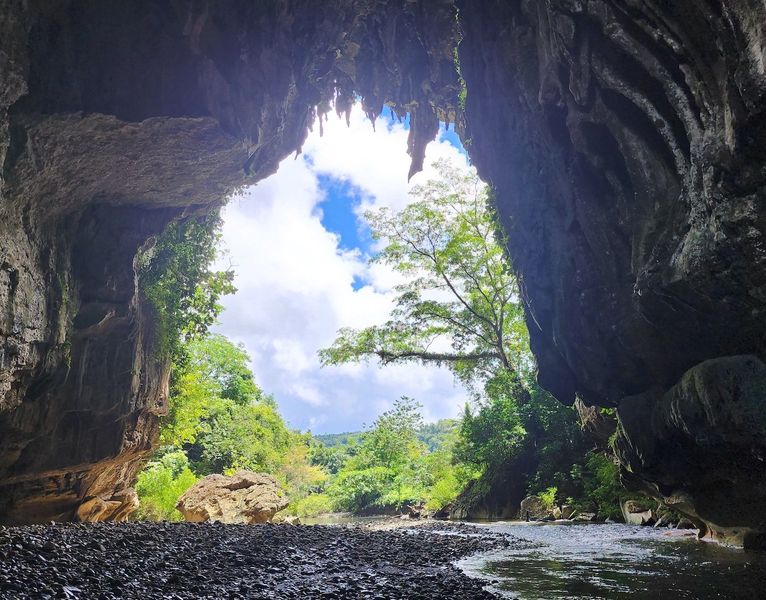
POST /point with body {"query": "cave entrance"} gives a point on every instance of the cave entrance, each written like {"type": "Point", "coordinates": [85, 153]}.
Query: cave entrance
{"type": "Point", "coordinates": [254, 396]}
{"type": "Point", "coordinates": [299, 244]}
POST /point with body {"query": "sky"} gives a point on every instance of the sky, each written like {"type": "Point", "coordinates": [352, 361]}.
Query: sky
{"type": "Point", "coordinates": [299, 246]}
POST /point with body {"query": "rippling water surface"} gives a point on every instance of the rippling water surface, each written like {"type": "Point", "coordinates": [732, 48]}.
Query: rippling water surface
{"type": "Point", "coordinates": [616, 561]}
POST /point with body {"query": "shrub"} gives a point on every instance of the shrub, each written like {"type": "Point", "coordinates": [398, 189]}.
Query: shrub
{"type": "Point", "coordinates": [548, 497]}
{"type": "Point", "coordinates": [357, 491]}
{"type": "Point", "coordinates": [311, 506]}
{"type": "Point", "coordinates": [160, 485]}
{"type": "Point", "coordinates": [443, 492]}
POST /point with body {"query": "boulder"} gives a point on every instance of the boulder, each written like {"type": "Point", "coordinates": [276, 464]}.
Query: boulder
{"type": "Point", "coordinates": [533, 508]}
{"type": "Point", "coordinates": [244, 497]}
{"type": "Point", "coordinates": [635, 514]}
{"type": "Point", "coordinates": [117, 508]}
{"type": "Point", "coordinates": [585, 517]}
{"type": "Point", "coordinates": [685, 524]}
{"type": "Point", "coordinates": [566, 511]}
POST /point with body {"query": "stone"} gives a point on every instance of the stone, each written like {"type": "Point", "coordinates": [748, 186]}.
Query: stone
{"type": "Point", "coordinates": [635, 514]}
{"type": "Point", "coordinates": [244, 497]}
{"type": "Point", "coordinates": [566, 511]}
{"type": "Point", "coordinates": [91, 173]}
{"type": "Point", "coordinates": [533, 508]}
{"type": "Point", "coordinates": [685, 524]}
{"type": "Point", "coordinates": [699, 447]}
{"type": "Point", "coordinates": [117, 508]}
{"type": "Point", "coordinates": [91, 510]}
{"type": "Point", "coordinates": [585, 517]}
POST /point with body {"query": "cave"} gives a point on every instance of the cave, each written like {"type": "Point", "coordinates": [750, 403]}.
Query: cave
{"type": "Point", "coordinates": [624, 142]}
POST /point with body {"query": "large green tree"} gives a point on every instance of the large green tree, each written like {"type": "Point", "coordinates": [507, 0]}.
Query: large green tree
{"type": "Point", "coordinates": [459, 303]}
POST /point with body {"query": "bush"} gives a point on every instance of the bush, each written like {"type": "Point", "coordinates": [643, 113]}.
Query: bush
{"type": "Point", "coordinates": [443, 492]}
{"type": "Point", "coordinates": [311, 506]}
{"type": "Point", "coordinates": [160, 485]}
{"type": "Point", "coordinates": [357, 491]}
{"type": "Point", "coordinates": [548, 497]}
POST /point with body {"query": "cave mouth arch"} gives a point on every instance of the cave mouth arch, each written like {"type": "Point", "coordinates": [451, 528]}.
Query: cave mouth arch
{"type": "Point", "coordinates": [299, 244]}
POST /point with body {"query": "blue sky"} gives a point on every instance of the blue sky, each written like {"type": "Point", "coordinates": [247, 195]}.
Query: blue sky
{"type": "Point", "coordinates": [299, 246]}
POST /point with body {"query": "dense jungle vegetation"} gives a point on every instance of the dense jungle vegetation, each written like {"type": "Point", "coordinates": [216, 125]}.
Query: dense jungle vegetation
{"type": "Point", "coordinates": [460, 307]}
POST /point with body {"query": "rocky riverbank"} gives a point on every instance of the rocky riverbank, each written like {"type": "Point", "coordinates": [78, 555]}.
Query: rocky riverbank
{"type": "Point", "coordinates": [180, 561]}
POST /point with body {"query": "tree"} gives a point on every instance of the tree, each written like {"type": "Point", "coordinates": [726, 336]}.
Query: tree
{"type": "Point", "coordinates": [393, 439]}
{"type": "Point", "coordinates": [386, 470]}
{"type": "Point", "coordinates": [459, 305]}
{"type": "Point", "coordinates": [175, 275]}
{"type": "Point", "coordinates": [214, 370]}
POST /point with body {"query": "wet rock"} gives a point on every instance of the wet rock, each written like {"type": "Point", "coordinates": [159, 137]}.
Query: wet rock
{"type": "Point", "coordinates": [634, 513]}
{"type": "Point", "coordinates": [188, 561]}
{"type": "Point", "coordinates": [704, 442]}
{"type": "Point", "coordinates": [585, 517]}
{"type": "Point", "coordinates": [533, 508]}
{"type": "Point", "coordinates": [244, 497]}
{"type": "Point", "coordinates": [633, 199]}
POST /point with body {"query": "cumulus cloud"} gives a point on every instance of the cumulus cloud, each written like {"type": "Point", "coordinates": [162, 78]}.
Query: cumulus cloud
{"type": "Point", "coordinates": [298, 286]}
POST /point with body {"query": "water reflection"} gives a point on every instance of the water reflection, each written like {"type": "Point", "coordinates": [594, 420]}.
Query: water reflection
{"type": "Point", "coordinates": [616, 561]}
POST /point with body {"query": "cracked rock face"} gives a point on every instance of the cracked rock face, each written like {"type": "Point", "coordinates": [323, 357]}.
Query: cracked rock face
{"type": "Point", "coordinates": [624, 141]}
{"type": "Point", "coordinates": [626, 144]}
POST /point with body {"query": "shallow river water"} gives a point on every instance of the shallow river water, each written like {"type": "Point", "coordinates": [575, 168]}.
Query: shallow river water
{"type": "Point", "coordinates": [616, 561]}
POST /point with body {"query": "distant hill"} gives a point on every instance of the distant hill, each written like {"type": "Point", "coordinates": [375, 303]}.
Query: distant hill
{"type": "Point", "coordinates": [338, 439]}
{"type": "Point", "coordinates": [431, 434]}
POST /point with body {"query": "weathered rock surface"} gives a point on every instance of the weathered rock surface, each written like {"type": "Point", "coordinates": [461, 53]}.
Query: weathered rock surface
{"type": "Point", "coordinates": [117, 508]}
{"type": "Point", "coordinates": [625, 144]}
{"type": "Point", "coordinates": [533, 508]}
{"type": "Point", "coordinates": [700, 447]}
{"type": "Point", "coordinates": [635, 514]}
{"type": "Point", "coordinates": [244, 497]}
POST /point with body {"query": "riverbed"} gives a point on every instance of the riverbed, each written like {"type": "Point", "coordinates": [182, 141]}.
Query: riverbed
{"type": "Point", "coordinates": [596, 561]}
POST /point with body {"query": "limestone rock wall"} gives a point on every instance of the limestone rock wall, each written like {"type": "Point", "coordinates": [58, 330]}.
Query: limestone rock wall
{"type": "Point", "coordinates": [115, 119]}
{"type": "Point", "coordinates": [626, 142]}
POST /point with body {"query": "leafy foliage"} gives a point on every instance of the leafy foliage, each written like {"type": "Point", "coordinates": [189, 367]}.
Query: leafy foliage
{"type": "Point", "coordinates": [221, 421]}
{"type": "Point", "coordinates": [602, 490]}
{"type": "Point", "coordinates": [460, 291]}
{"type": "Point", "coordinates": [176, 278]}
{"type": "Point", "coordinates": [161, 483]}
{"type": "Point", "coordinates": [392, 468]}
{"type": "Point", "coordinates": [548, 496]}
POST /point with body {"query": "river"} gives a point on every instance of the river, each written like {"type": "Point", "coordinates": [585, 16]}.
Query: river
{"type": "Point", "coordinates": [559, 560]}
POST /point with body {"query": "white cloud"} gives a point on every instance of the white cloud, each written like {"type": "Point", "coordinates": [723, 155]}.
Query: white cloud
{"type": "Point", "coordinates": [296, 284]}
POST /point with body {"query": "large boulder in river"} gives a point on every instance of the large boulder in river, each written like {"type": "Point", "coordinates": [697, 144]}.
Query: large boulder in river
{"type": "Point", "coordinates": [244, 497]}
{"type": "Point", "coordinates": [634, 513]}
{"type": "Point", "coordinates": [533, 508]}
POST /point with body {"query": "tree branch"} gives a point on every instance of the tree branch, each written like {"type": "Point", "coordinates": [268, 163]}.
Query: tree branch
{"type": "Point", "coordinates": [388, 357]}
